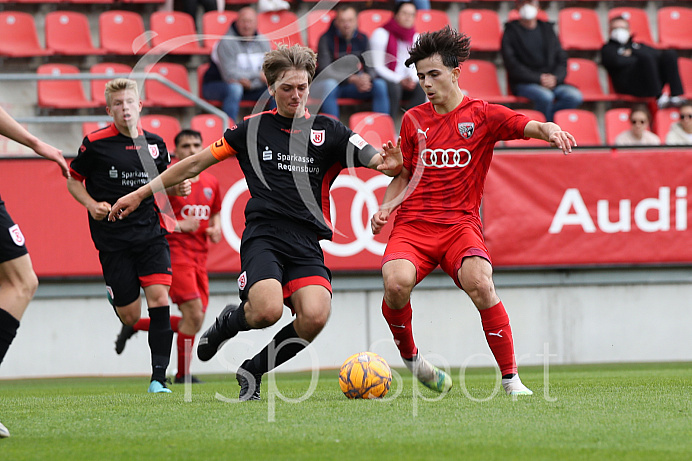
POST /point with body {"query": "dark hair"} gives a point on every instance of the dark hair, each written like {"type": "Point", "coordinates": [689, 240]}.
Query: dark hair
{"type": "Point", "coordinates": [185, 133]}
{"type": "Point", "coordinates": [643, 109]}
{"type": "Point", "coordinates": [397, 6]}
{"type": "Point", "coordinates": [341, 7]}
{"type": "Point", "coordinates": [452, 46]}
{"type": "Point", "coordinates": [284, 58]}
{"type": "Point", "coordinates": [617, 18]}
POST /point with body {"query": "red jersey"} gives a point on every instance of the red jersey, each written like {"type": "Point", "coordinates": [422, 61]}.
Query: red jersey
{"type": "Point", "coordinates": [201, 204]}
{"type": "Point", "coordinates": [448, 156]}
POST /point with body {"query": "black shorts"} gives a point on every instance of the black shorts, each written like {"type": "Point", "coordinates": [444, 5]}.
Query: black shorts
{"type": "Point", "coordinates": [286, 253]}
{"type": "Point", "coordinates": [125, 271]}
{"type": "Point", "coordinates": [12, 244]}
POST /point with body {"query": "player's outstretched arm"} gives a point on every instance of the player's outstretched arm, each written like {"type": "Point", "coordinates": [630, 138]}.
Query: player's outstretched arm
{"type": "Point", "coordinates": [12, 129]}
{"type": "Point", "coordinates": [188, 168]}
{"type": "Point", "coordinates": [390, 160]}
{"type": "Point", "coordinates": [393, 196]}
{"type": "Point", "coordinates": [552, 133]}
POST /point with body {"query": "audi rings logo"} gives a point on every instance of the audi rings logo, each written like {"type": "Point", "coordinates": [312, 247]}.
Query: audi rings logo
{"type": "Point", "coordinates": [364, 197]}
{"type": "Point", "coordinates": [445, 158]}
{"type": "Point", "coordinates": [199, 212]}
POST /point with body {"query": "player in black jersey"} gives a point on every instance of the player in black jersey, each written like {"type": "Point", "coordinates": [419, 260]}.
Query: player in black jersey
{"type": "Point", "coordinates": [18, 282]}
{"type": "Point", "coordinates": [134, 252]}
{"type": "Point", "coordinates": [290, 159]}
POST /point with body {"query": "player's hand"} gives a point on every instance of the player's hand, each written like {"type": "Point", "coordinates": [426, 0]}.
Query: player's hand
{"type": "Point", "coordinates": [214, 233]}
{"type": "Point", "coordinates": [183, 189]}
{"type": "Point", "coordinates": [392, 160]}
{"type": "Point", "coordinates": [378, 221]}
{"type": "Point", "coordinates": [54, 154]}
{"type": "Point", "coordinates": [124, 206]}
{"type": "Point", "coordinates": [562, 140]}
{"type": "Point", "coordinates": [99, 210]}
{"type": "Point", "coordinates": [188, 225]}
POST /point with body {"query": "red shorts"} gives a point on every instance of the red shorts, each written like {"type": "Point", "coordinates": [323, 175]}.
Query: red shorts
{"type": "Point", "coordinates": [428, 245]}
{"type": "Point", "coordinates": [190, 281]}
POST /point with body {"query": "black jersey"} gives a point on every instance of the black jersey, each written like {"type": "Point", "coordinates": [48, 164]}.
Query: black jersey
{"type": "Point", "coordinates": [109, 163]}
{"type": "Point", "coordinates": [290, 164]}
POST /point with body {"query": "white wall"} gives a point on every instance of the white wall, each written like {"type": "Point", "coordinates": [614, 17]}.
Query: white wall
{"type": "Point", "coordinates": [578, 323]}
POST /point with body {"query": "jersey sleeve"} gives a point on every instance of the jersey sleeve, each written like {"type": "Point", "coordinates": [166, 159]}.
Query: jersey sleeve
{"type": "Point", "coordinates": [505, 123]}
{"type": "Point", "coordinates": [355, 151]}
{"type": "Point", "coordinates": [231, 143]}
{"type": "Point", "coordinates": [164, 158]}
{"type": "Point", "coordinates": [80, 167]}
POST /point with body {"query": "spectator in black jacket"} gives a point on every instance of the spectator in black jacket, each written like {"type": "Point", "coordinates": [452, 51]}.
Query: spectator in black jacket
{"type": "Point", "coordinates": [536, 64]}
{"type": "Point", "coordinates": [342, 70]}
{"type": "Point", "coordinates": [625, 58]}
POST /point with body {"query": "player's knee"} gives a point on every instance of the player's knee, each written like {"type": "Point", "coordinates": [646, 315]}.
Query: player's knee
{"type": "Point", "coordinates": [129, 318]}
{"type": "Point", "coordinates": [481, 290]}
{"type": "Point", "coordinates": [396, 288]}
{"type": "Point", "coordinates": [195, 319]}
{"type": "Point", "coordinates": [265, 316]}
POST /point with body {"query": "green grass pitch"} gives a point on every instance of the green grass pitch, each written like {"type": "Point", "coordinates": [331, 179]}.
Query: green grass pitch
{"type": "Point", "coordinates": [600, 412]}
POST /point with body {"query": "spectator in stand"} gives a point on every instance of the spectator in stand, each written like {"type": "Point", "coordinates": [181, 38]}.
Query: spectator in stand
{"type": "Point", "coordinates": [625, 58]}
{"type": "Point", "coordinates": [190, 6]}
{"type": "Point", "coordinates": [419, 4]}
{"type": "Point", "coordinates": [639, 134]}
{"type": "Point", "coordinates": [536, 64]}
{"type": "Point", "coordinates": [342, 71]}
{"type": "Point", "coordinates": [390, 44]}
{"type": "Point", "coordinates": [681, 132]}
{"type": "Point", "coordinates": [235, 72]}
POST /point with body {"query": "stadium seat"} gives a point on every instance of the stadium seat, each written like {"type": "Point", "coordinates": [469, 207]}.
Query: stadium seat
{"type": "Point", "coordinates": [163, 125]}
{"type": "Point", "coordinates": [513, 15]}
{"type": "Point", "coordinates": [582, 124]}
{"type": "Point", "coordinates": [374, 127]}
{"type": "Point", "coordinates": [121, 31]}
{"type": "Point", "coordinates": [90, 127]}
{"type": "Point", "coordinates": [478, 79]}
{"type": "Point", "coordinates": [102, 2]}
{"type": "Point", "coordinates": [143, 1]}
{"type": "Point", "coordinates": [430, 20]}
{"type": "Point", "coordinates": [685, 69]}
{"type": "Point", "coordinates": [583, 73]}
{"type": "Point", "coordinates": [639, 23]}
{"type": "Point", "coordinates": [98, 86]}
{"type": "Point", "coordinates": [210, 126]}
{"type": "Point", "coordinates": [18, 37]}
{"type": "Point", "coordinates": [175, 33]}
{"type": "Point", "coordinates": [616, 121]}
{"type": "Point", "coordinates": [318, 23]}
{"type": "Point", "coordinates": [280, 27]}
{"type": "Point", "coordinates": [159, 95]}
{"type": "Point", "coordinates": [579, 29]}
{"type": "Point", "coordinates": [533, 115]}
{"type": "Point", "coordinates": [371, 19]}
{"type": "Point", "coordinates": [675, 27]}
{"type": "Point", "coordinates": [483, 26]}
{"type": "Point", "coordinates": [61, 94]}
{"type": "Point", "coordinates": [68, 33]}
{"type": "Point", "coordinates": [215, 25]}
{"type": "Point", "coordinates": [663, 119]}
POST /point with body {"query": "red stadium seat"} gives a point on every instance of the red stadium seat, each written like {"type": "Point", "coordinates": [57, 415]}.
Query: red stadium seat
{"type": "Point", "coordinates": [18, 37]}
{"type": "Point", "coordinates": [582, 124]}
{"type": "Point", "coordinates": [61, 94]}
{"type": "Point", "coordinates": [89, 1]}
{"type": "Point", "coordinates": [68, 33]}
{"type": "Point", "coordinates": [675, 27]}
{"type": "Point", "coordinates": [98, 86]}
{"type": "Point", "coordinates": [430, 20]}
{"type": "Point", "coordinates": [374, 127]}
{"type": "Point", "coordinates": [583, 73]}
{"type": "Point", "coordinates": [215, 25]}
{"type": "Point", "coordinates": [210, 126]}
{"type": "Point", "coordinates": [318, 23]}
{"type": "Point", "coordinates": [639, 23]}
{"type": "Point", "coordinates": [280, 27]}
{"type": "Point", "coordinates": [369, 20]}
{"type": "Point", "coordinates": [175, 33]}
{"type": "Point", "coordinates": [533, 115]}
{"type": "Point", "coordinates": [90, 127]}
{"type": "Point", "coordinates": [663, 119]}
{"type": "Point", "coordinates": [159, 95]}
{"type": "Point", "coordinates": [163, 125]}
{"type": "Point", "coordinates": [483, 26]}
{"type": "Point", "coordinates": [616, 121]}
{"type": "Point", "coordinates": [685, 69]}
{"type": "Point", "coordinates": [513, 15]}
{"type": "Point", "coordinates": [580, 29]}
{"type": "Point", "coordinates": [121, 32]}
{"type": "Point", "coordinates": [478, 79]}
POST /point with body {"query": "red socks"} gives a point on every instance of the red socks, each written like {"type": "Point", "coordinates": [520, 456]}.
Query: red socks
{"type": "Point", "coordinates": [184, 354]}
{"type": "Point", "coordinates": [143, 323]}
{"type": "Point", "coordinates": [498, 333]}
{"type": "Point", "coordinates": [399, 321]}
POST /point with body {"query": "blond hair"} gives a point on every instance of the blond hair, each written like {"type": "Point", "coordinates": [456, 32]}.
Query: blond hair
{"type": "Point", "coordinates": [120, 84]}
{"type": "Point", "coordinates": [284, 58]}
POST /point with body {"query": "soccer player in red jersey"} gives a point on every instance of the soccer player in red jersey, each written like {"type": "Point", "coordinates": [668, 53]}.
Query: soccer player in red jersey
{"type": "Point", "coordinates": [290, 159]}
{"type": "Point", "coordinates": [197, 223]}
{"type": "Point", "coordinates": [447, 144]}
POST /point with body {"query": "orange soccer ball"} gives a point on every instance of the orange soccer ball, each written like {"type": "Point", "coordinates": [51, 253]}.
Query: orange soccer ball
{"type": "Point", "coordinates": [365, 375]}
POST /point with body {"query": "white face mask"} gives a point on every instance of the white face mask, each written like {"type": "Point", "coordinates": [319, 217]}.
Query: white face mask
{"type": "Point", "coordinates": [620, 35]}
{"type": "Point", "coordinates": [528, 12]}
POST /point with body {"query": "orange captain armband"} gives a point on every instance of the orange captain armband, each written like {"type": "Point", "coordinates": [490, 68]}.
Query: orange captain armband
{"type": "Point", "coordinates": [221, 150]}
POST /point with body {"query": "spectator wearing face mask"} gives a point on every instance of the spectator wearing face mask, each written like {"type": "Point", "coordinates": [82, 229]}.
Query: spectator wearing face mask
{"type": "Point", "coordinates": [624, 58]}
{"type": "Point", "coordinates": [536, 64]}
